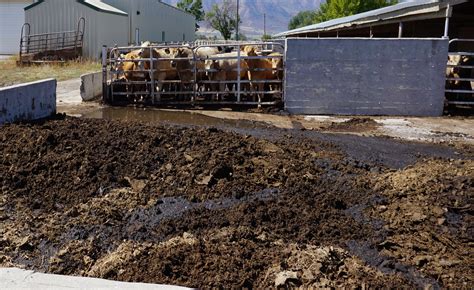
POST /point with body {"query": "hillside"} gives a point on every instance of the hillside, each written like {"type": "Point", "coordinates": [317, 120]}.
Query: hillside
{"type": "Point", "coordinates": [279, 13]}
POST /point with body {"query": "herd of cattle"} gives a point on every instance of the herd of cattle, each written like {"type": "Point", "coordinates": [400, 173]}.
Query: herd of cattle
{"type": "Point", "coordinates": [207, 72]}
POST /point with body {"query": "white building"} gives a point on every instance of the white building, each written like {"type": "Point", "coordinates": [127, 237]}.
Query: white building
{"type": "Point", "coordinates": [12, 17]}
{"type": "Point", "coordinates": [110, 22]}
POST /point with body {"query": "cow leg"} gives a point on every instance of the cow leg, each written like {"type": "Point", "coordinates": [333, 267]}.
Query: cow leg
{"type": "Point", "coordinates": [260, 88]}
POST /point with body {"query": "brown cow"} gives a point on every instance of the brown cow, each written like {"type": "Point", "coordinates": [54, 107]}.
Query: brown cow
{"type": "Point", "coordinates": [131, 71]}
{"type": "Point", "coordinates": [259, 70]}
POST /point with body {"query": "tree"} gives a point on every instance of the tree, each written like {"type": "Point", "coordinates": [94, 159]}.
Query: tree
{"type": "Point", "coordinates": [301, 19]}
{"type": "Point", "coordinates": [266, 37]}
{"type": "Point", "coordinates": [193, 7]}
{"type": "Point", "coordinates": [242, 37]}
{"type": "Point", "coordinates": [335, 9]}
{"type": "Point", "coordinates": [223, 18]}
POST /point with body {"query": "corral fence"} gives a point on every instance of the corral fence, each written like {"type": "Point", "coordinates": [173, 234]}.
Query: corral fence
{"type": "Point", "coordinates": [175, 74]}
{"type": "Point", "coordinates": [460, 73]}
{"type": "Point", "coordinates": [51, 47]}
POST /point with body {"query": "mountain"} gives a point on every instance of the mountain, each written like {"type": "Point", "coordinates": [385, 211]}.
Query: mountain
{"type": "Point", "coordinates": [278, 14]}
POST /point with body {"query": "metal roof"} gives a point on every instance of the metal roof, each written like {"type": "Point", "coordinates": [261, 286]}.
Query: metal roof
{"type": "Point", "coordinates": [103, 6]}
{"type": "Point", "coordinates": [94, 4]}
{"type": "Point", "coordinates": [399, 10]}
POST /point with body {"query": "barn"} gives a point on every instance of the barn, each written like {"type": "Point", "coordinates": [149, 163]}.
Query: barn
{"type": "Point", "coordinates": [110, 22]}
{"type": "Point", "coordinates": [11, 20]}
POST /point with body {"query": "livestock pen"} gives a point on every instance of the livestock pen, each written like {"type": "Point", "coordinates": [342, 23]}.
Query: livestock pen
{"type": "Point", "coordinates": [233, 73]}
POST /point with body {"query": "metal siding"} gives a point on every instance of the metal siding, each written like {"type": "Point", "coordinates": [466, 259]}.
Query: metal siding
{"type": "Point", "coordinates": [112, 30]}
{"type": "Point", "coordinates": [156, 17]}
{"type": "Point", "coordinates": [58, 15]}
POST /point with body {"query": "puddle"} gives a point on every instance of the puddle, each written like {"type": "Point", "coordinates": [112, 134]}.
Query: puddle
{"type": "Point", "coordinates": [175, 207]}
{"type": "Point", "coordinates": [390, 266]}
{"type": "Point", "coordinates": [369, 150]}
{"type": "Point", "coordinates": [150, 115]}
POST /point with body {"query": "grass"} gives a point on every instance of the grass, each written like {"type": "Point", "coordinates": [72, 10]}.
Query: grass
{"type": "Point", "coordinates": [11, 74]}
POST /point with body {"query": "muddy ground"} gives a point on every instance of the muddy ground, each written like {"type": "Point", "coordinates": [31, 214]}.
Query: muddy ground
{"type": "Point", "coordinates": [256, 206]}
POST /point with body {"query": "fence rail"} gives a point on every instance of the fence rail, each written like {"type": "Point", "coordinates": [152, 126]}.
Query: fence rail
{"type": "Point", "coordinates": [460, 75]}
{"type": "Point", "coordinates": [53, 46]}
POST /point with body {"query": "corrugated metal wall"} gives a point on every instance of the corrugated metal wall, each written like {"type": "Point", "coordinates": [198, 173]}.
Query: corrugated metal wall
{"type": "Point", "coordinates": [59, 15]}
{"type": "Point", "coordinates": [155, 18]}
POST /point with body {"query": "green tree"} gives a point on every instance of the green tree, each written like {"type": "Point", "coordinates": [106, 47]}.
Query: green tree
{"type": "Point", "coordinates": [333, 9]}
{"type": "Point", "coordinates": [223, 18]}
{"type": "Point", "coordinates": [301, 19]}
{"type": "Point", "coordinates": [266, 37]}
{"type": "Point", "coordinates": [193, 7]}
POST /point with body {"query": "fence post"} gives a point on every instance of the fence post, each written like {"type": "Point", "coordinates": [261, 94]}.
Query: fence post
{"type": "Point", "coordinates": [195, 77]}
{"type": "Point", "coordinates": [238, 73]}
{"type": "Point", "coordinates": [105, 97]}
{"type": "Point", "coordinates": [152, 77]}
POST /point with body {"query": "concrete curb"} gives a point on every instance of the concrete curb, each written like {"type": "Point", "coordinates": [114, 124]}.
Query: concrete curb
{"type": "Point", "coordinates": [28, 101]}
{"type": "Point", "coordinates": [14, 278]}
{"type": "Point", "coordinates": [91, 86]}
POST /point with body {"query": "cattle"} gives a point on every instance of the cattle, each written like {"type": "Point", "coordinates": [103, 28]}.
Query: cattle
{"type": "Point", "coordinates": [460, 72]}
{"type": "Point", "coordinates": [277, 65]}
{"type": "Point", "coordinates": [225, 70]}
{"type": "Point", "coordinates": [163, 70]}
{"type": "Point", "coordinates": [260, 70]}
{"type": "Point", "coordinates": [186, 58]}
{"type": "Point", "coordinates": [132, 72]}
{"type": "Point", "coordinates": [182, 61]}
{"type": "Point", "coordinates": [203, 53]}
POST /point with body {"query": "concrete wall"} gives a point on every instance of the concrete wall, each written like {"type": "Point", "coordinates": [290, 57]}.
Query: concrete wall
{"type": "Point", "coordinates": [91, 86]}
{"type": "Point", "coordinates": [365, 76]}
{"type": "Point", "coordinates": [26, 102]}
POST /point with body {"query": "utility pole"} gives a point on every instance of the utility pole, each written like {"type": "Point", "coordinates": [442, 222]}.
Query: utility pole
{"type": "Point", "coordinates": [238, 22]}
{"type": "Point", "coordinates": [264, 25]}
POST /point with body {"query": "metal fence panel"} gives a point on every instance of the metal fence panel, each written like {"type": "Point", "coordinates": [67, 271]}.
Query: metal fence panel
{"type": "Point", "coordinates": [460, 74]}
{"type": "Point", "coordinates": [193, 83]}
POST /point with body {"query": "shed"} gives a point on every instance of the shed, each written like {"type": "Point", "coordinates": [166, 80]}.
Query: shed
{"type": "Point", "coordinates": [111, 22]}
{"type": "Point", "coordinates": [11, 20]}
{"type": "Point", "coordinates": [419, 18]}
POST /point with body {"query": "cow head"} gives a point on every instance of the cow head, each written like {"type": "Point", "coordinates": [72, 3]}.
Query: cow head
{"type": "Point", "coordinates": [181, 52]}
{"type": "Point", "coordinates": [210, 65]}
{"type": "Point", "coordinates": [250, 50]}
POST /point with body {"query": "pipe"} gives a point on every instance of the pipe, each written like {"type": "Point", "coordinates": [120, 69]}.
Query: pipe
{"type": "Point", "coordinates": [400, 30]}
{"type": "Point", "coordinates": [446, 22]}
{"type": "Point", "coordinates": [238, 22]}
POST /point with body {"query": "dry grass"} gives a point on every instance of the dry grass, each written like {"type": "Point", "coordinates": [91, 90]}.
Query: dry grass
{"type": "Point", "coordinates": [11, 74]}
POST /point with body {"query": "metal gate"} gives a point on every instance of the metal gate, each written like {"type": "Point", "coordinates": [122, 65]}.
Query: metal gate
{"type": "Point", "coordinates": [460, 73]}
{"type": "Point", "coordinates": [235, 73]}
{"type": "Point", "coordinates": [51, 47]}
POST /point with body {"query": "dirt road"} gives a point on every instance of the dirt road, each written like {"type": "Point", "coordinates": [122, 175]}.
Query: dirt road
{"type": "Point", "coordinates": [256, 206]}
